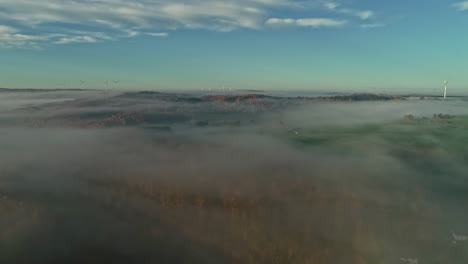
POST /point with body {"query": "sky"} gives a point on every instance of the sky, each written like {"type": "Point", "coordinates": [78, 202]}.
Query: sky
{"type": "Point", "coordinates": [316, 45]}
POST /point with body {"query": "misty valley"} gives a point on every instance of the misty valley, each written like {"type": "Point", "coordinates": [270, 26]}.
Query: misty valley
{"type": "Point", "coordinates": [90, 176]}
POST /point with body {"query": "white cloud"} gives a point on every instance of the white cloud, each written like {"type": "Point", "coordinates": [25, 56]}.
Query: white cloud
{"type": "Point", "coordinates": [11, 38]}
{"type": "Point", "coordinates": [362, 14]}
{"type": "Point", "coordinates": [331, 5]}
{"type": "Point", "coordinates": [127, 19]}
{"type": "Point", "coordinates": [76, 39]}
{"type": "Point", "coordinates": [133, 33]}
{"type": "Point", "coordinates": [281, 22]}
{"type": "Point", "coordinates": [162, 34]}
{"type": "Point", "coordinates": [320, 22]}
{"type": "Point", "coordinates": [461, 6]}
{"type": "Point", "coordinates": [305, 22]}
{"type": "Point", "coordinates": [107, 20]}
{"type": "Point", "coordinates": [376, 25]}
{"type": "Point", "coordinates": [162, 14]}
{"type": "Point", "coordinates": [6, 30]}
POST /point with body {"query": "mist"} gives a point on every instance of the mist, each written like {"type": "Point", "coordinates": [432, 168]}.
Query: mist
{"type": "Point", "coordinates": [96, 177]}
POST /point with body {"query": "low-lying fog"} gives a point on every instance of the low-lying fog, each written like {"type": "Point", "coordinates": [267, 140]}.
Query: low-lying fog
{"type": "Point", "coordinates": [156, 178]}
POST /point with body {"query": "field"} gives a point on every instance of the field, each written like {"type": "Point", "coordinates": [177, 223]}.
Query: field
{"type": "Point", "coordinates": [93, 177]}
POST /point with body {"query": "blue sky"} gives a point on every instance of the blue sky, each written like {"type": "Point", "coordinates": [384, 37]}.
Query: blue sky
{"type": "Point", "coordinates": [320, 45]}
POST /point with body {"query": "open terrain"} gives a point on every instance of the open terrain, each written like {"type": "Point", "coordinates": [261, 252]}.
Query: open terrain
{"type": "Point", "coordinates": [149, 177]}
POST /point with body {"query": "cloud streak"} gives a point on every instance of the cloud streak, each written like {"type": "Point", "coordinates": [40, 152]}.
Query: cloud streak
{"type": "Point", "coordinates": [305, 22]}
{"type": "Point", "coordinates": [375, 25]}
{"type": "Point", "coordinates": [11, 38]}
{"type": "Point", "coordinates": [163, 34]}
{"type": "Point", "coordinates": [461, 6]}
{"type": "Point", "coordinates": [361, 14]}
{"type": "Point", "coordinates": [77, 39]}
{"type": "Point", "coordinates": [104, 20]}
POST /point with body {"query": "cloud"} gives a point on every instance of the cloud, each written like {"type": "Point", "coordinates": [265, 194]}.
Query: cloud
{"type": "Point", "coordinates": [11, 38]}
{"type": "Point", "coordinates": [117, 19]}
{"type": "Point", "coordinates": [125, 19]}
{"type": "Point", "coordinates": [164, 14]}
{"type": "Point", "coordinates": [77, 39]}
{"type": "Point", "coordinates": [331, 5]}
{"type": "Point", "coordinates": [163, 34]}
{"type": "Point", "coordinates": [6, 30]}
{"type": "Point", "coordinates": [461, 6]}
{"type": "Point", "coordinates": [305, 22]}
{"type": "Point", "coordinates": [362, 14]}
{"type": "Point", "coordinates": [376, 25]}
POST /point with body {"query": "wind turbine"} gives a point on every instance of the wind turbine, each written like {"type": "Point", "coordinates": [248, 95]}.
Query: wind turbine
{"type": "Point", "coordinates": [445, 90]}
{"type": "Point", "coordinates": [107, 85]}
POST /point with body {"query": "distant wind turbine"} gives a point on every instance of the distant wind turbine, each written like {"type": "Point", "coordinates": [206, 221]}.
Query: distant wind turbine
{"type": "Point", "coordinates": [445, 90]}
{"type": "Point", "coordinates": [107, 85]}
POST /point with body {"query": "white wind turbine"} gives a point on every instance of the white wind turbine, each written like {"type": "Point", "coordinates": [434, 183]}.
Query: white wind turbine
{"type": "Point", "coordinates": [445, 89]}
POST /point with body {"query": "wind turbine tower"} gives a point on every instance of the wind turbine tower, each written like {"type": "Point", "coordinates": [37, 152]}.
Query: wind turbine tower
{"type": "Point", "coordinates": [445, 90]}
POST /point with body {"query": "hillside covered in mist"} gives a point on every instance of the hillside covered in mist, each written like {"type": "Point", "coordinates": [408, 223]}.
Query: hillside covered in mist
{"type": "Point", "coordinates": [148, 177]}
